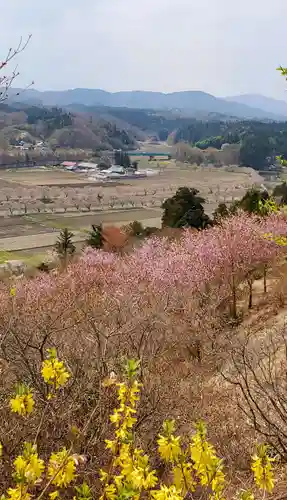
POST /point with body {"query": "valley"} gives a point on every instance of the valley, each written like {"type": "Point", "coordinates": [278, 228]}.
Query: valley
{"type": "Point", "coordinates": [143, 250]}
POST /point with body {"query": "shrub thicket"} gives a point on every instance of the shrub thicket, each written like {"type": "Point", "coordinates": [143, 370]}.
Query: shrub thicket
{"type": "Point", "coordinates": [161, 304]}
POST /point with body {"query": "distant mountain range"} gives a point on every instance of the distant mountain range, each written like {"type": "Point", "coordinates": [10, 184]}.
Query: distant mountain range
{"type": "Point", "coordinates": [193, 103]}
{"type": "Point", "coordinates": [266, 104]}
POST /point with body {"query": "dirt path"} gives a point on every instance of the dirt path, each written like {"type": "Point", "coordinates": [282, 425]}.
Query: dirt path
{"type": "Point", "coordinates": [42, 240]}
{"type": "Point", "coordinates": [34, 241]}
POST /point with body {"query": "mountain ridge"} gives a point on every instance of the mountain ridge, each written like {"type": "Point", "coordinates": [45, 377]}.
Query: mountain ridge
{"type": "Point", "coordinates": [267, 104]}
{"type": "Point", "coordinates": [193, 101]}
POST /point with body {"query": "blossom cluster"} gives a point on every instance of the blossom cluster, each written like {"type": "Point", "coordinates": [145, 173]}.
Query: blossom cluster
{"type": "Point", "coordinates": [157, 277]}
{"type": "Point", "coordinates": [189, 464]}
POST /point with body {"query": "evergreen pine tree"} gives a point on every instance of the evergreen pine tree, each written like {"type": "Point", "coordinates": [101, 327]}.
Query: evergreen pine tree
{"type": "Point", "coordinates": [95, 237]}
{"type": "Point", "coordinates": [64, 244]}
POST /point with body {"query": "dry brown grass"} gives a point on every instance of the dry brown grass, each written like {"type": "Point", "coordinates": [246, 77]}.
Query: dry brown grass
{"type": "Point", "coordinates": [37, 177]}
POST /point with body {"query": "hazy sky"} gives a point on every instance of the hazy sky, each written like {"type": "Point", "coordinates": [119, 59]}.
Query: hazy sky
{"type": "Point", "coordinates": [224, 47]}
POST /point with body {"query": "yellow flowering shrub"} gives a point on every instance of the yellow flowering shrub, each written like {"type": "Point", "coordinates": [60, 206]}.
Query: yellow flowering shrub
{"type": "Point", "coordinates": [169, 445]}
{"type": "Point", "coordinates": [28, 467]}
{"type": "Point", "coordinates": [53, 371]}
{"type": "Point", "coordinates": [61, 468]}
{"type": "Point", "coordinates": [23, 402]}
{"type": "Point", "coordinates": [191, 466]}
{"type": "Point", "coordinates": [262, 469]}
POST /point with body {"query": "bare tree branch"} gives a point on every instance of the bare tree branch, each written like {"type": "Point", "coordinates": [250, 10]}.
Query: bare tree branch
{"type": "Point", "coordinates": [7, 80]}
{"type": "Point", "coordinates": [260, 374]}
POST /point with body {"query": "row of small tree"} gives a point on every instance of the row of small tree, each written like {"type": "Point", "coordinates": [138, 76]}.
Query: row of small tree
{"type": "Point", "coordinates": [186, 207]}
{"type": "Point", "coordinates": [183, 210]}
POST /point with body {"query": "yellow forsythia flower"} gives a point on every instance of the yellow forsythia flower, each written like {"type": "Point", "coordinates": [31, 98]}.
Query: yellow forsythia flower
{"type": "Point", "coordinates": [168, 444]}
{"type": "Point", "coordinates": [167, 493]}
{"type": "Point", "coordinates": [208, 466]}
{"type": "Point", "coordinates": [169, 448]}
{"type": "Point", "coordinates": [122, 390]}
{"type": "Point", "coordinates": [183, 479]}
{"type": "Point", "coordinates": [13, 292]}
{"type": "Point", "coordinates": [262, 469]}
{"type": "Point", "coordinates": [29, 469]}
{"type": "Point", "coordinates": [54, 371]}
{"type": "Point", "coordinates": [18, 493]}
{"type": "Point", "coordinates": [122, 417]}
{"type": "Point", "coordinates": [63, 467]}
{"type": "Point", "coordinates": [134, 393]}
{"type": "Point", "coordinates": [103, 475]}
{"type": "Point", "coordinates": [35, 468]}
{"type": "Point", "coordinates": [135, 468]}
{"type": "Point", "coordinates": [116, 417]}
{"type": "Point", "coordinates": [22, 404]}
{"type": "Point", "coordinates": [142, 478]}
{"type": "Point", "coordinates": [111, 445]}
{"type": "Point", "coordinates": [28, 466]}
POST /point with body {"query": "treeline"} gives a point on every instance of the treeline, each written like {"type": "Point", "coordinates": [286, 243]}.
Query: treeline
{"type": "Point", "coordinates": [185, 209]}
{"type": "Point", "coordinates": [259, 142]}
{"type": "Point", "coordinates": [117, 138]}
{"type": "Point", "coordinates": [54, 117]}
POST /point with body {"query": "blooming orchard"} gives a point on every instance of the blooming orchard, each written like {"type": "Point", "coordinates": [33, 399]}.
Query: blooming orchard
{"type": "Point", "coordinates": [150, 304]}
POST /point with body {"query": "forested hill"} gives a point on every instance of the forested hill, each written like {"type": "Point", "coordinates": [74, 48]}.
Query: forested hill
{"type": "Point", "coordinates": [101, 128]}
{"type": "Point", "coordinates": [259, 141]}
{"type": "Point", "coordinates": [64, 128]}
